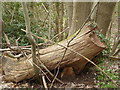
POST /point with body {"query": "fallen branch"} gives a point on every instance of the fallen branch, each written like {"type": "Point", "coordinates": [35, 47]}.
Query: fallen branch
{"type": "Point", "coordinates": [8, 49]}
{"type": "Point", "coordinates": [44, 82]}
{"type": "Point", "coordinates": [114, 58]}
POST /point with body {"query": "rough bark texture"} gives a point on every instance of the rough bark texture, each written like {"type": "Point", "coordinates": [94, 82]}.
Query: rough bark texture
{"type": "Point", "coordinates": [81, 11]}
{"type": "Point", "coordinates": [88, 45]}
{"type": "Point", "coordinates": [69, 6]}
{"type": "Point", "coordinates": [104, 14]}
{"type": "Point", "coordinates": [59, 19]}
{"type": "Point", "coordinates": [0, 32]}
{"type": "Point", "coordinates": [0, 26]}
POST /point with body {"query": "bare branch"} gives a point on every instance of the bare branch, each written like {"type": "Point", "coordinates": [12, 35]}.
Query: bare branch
{"type": "Point", "coordinates": [30, 38]}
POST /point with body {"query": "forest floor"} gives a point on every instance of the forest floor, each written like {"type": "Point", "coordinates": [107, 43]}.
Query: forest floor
{"type": "Point", "coordinates": [84, 80]}
{"type": "Point", "coordinates": [87, 79]}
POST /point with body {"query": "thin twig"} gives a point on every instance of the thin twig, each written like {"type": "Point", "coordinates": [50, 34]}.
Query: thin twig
{"type": "Point", "coordinates": [38, 68]}
{"type": "Point", "coordinates": [39, 60]}
{"type": "Point", "coordinates": [45, 8]}
{"type": "Point", "coordinates": [6, 38]}
{"type": "Point", "coordinates": [12, 15]}
{"type": "Point", "coordinates": [8, 49]}
{"type": "Point", "coordinates": [17, 41]}
{"type": "Point", "coordinates": [60, 33]}
{"type": "Point", "coordinates": [46, 40]}
{"type": "Point", "coordinates": [44, 82]}
{"type": "Point", "coordinates": [8, 43]}
{"type": "Point", "coordinates": [54, 78]}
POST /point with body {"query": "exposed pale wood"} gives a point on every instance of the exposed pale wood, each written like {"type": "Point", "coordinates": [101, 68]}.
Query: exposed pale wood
{"type": "Point", "coordinates": [87, 44]}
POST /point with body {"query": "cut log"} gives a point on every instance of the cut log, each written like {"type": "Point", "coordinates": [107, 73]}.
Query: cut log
{"type": "Point", "coordinates": [87, 44]}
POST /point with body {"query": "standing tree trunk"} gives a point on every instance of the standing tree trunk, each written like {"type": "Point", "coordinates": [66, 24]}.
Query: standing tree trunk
{"type": "Point", "coordinates": [104, 15]}
{"type": "Point", "coordinates": [31, 40]}
{"type": "Point", "coordinates": [50, 20]}
{"type": "Point", "coordinates": [81, 11]}
{"type": "Point", "coordinates": [0, 33]}
{"type": "Point", "coordinates": [0, 25]}
{"type": "Point", "coordinates": [116, 43]}
{"type": "Point", "coordinates": [69, 6]}
{"type": "Point", "coordinates": [59, 19]}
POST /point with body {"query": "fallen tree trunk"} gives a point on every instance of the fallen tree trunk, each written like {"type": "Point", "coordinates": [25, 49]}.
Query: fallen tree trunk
{"type": "Point", "coordinates": [87, 44]}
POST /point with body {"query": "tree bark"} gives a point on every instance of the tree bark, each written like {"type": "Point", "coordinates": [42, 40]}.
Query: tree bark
{"type": "Point", "coordinates": [0, 33]}
{"type": "Point", "coordinates": [0, 26]}
{"type": "Point", "coordinates": [50, 19]}
{"type": "Point", "coordinates": [104, 15]}
{"type": "Point", "coordinates": [69, 6]}
{"type": "Point", "coordinates": [81, 11]}
{"type": "Point", "coordinates": [59, 19]}
{"type": "Point", "coordinates": [116, 43]}
{"type": "Point", "coordinates": [87, 44]}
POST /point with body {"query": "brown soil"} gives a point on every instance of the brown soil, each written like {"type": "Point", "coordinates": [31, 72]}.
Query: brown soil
{"type": "Point", "coordinates": [83, 80]}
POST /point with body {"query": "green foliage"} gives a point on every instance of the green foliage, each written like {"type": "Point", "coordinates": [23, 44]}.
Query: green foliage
{"type": "Point", "coordinates": [105, 40]}
{"type": "Point", "coordinates": [104, 82]}
{"type": "Point", "coordinates": [105, 53]}
{"type": "Point", "coordinates": [102, 37]}
{"type": "Point", "coordinates": [13, 22]}
{"type": "Point", "coordinates": [13, 18]}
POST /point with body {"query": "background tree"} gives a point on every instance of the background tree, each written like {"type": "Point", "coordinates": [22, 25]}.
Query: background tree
{"type": "Point", "coordinates": [80, 12]}
{"type": "Point", "coordinates": [0, 25]}
{"type": "Point", "coordinates": [104, 15]}
{"type": "Point", "coordinates": [59, 19]}
{"type": "Point", "coordinates": [0, 32]}
{"type": "Point", "coordinates": [116, 45]}
{"type": "Point", "coordinates": [69, 7]}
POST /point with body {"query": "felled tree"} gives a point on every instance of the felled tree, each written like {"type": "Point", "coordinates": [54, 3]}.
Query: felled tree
{"type": "Point", "coordinates": [83, 47]}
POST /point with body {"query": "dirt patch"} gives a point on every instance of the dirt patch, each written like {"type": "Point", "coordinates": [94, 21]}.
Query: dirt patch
{"type": "Point", "coordinates": [84, 80]}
